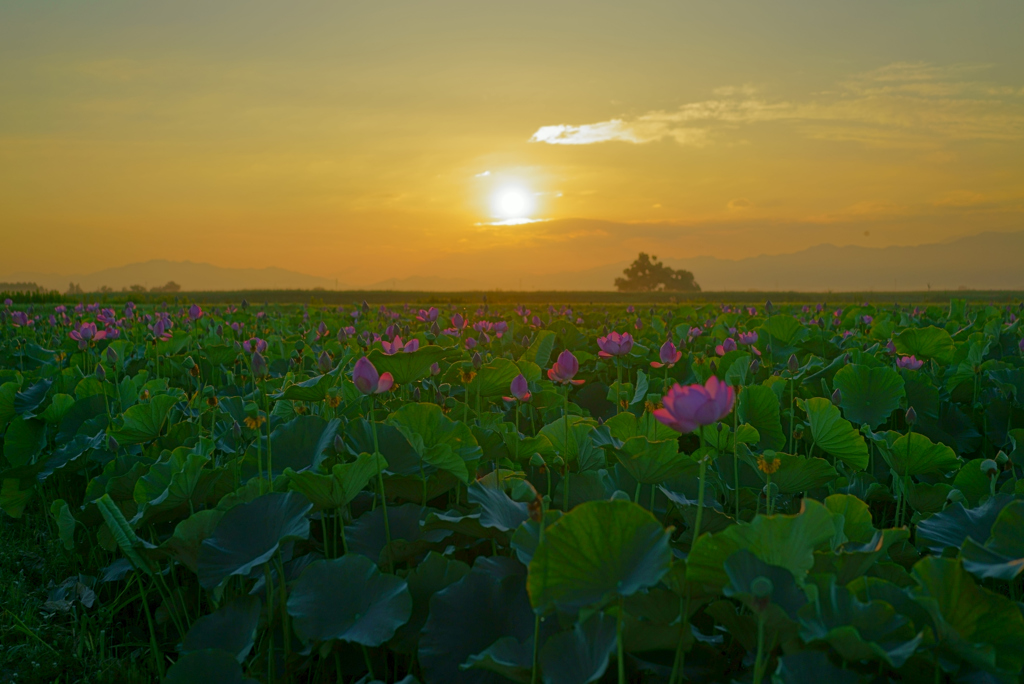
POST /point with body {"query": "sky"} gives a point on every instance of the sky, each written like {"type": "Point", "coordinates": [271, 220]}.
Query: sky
{"type": "Point", "coordinates": [371, 140]}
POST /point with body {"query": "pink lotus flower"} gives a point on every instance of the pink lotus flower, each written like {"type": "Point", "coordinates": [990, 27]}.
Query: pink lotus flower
{"type": "Point", "coordinates": [564, 369]}
{"type": "Point", "coordinates": [195, 312]}
{"type": "Point", "coordinates": [687, 408]}
{"type": "Point", "coordinates": [367, 380]}
{"type": "Point", "coordinates": [890, 347]}
{"type": "Point", "coordinates": [519, 388]}
{"type": "Point", "coordinates": [668, 354]}
{"type": "Point", "coordinates": [748, 337]}
{"type": "Point", "coordinates": [435, 369]}
{"type": "Point", "coordinates": [428, 316]}
{"type": "Point", "coordinates": [614, 344]}
{"type": "Point", "coordinates": [867, 320]}
{"type": "Point", "coordinates": [639, 324]}
{"type": "Point", "coordinates": [87, 333]}
{"type": "Point", "coordinates": [909, 362]}
{"type": "Point", "coordinates": [397, 345]}
{"type": "Point", "coordinates": [727, 346]}
{"type": "Point", "coordinates": [255, 344]}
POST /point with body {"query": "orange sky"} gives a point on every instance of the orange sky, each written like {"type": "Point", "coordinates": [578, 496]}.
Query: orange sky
{"type": "Point", "coordinates": [363, 141]}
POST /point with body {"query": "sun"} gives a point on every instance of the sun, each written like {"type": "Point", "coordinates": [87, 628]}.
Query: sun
{"type": "Point", "coordinates": [512, 203]}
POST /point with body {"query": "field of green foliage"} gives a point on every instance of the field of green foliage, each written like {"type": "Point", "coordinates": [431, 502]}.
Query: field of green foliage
{"type": "Point", "coordinates": [480, 493]}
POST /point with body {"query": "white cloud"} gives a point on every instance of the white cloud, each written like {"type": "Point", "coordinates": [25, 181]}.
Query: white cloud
{"type": "Point", "coordinates": [899, 105]}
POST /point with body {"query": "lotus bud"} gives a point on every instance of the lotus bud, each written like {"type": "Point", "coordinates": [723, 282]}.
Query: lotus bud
{"type": "Point", "coordinates": [101, 374]}
{"type": "Point", "coordinates": [112, 444]}
{"type": "Point", "coordinates": [245, 303]}
{"type": "Point", "coordinates": [435, 329]}
{"type": "Point", "coordinates": [755, 366]}
{"type": "Point", "coordinates": [1002, 458]}
{"type": "Point", "coordinates": [259, 365]}
{"type": "Point", "coordinates": [416, 394]}
{"type": "Point", "coordinates": [339, 444]}
{"type": "Point", "coordinates": [989, 467]}
{"type": "Point", "coordinates": [769, 307]}
{"type": "Point", "coordinates": [793, 365]}
{"type": "Point", "coordinates": [526, 341]}
{"type": "Point", "coordinates": [365, 376]}
{"type": "Point", "coordinates": [762, 589]}
{"type": "Point", "coordinates": [324, 362]}
{"type": "Point", "coordinates": [365, 307]}
{"type": "Point", "coordinates": [342, 336]}
{"type": "Point", "coordinates": [837, 397]}
{"type": "Point", "coordinates": [478, 361]}
{"type": "Point", "coordinates": [435, 369]}
{"type": "Point", "coordinates": [911, 416]}
{"type": "Point", "coordinates": [111, 355]}
{"type": "Point", "coordinates": [219, 330]}
{"type": "Point", "coordinates": [438, 397]}
{"type": "Point", "coordinates": [714, 367]}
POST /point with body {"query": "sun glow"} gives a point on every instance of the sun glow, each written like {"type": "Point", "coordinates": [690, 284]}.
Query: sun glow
{"type": "Point", "coordinates": [512, 203]}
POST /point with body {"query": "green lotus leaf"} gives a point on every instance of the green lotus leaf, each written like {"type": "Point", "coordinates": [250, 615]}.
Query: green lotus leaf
{"type": "Point", "coordinates": [857, 525]}
{"type": "Point", "coordinates": [852, 560]}
{"type": "Point", "coordinates": [926, 343]}
{"type": "Point", "coordinates": [580, 655]}
{"type": "Point", "coordinates": [797, 473]}
{"type": "Point", "coordinates": [407, 367]}
{"type": "Point", "coordinates": [8, 391]}
{"type": "Point", "coordinates": [345, 481]}
{"type": "Point", "coordinates": [834, 434]}
{"type": "Point", "coordinates": [1002, 556]}
{"type": "Point", "coordinates": [858, 631]}
{"type": "Point", "coordinates": [250, 534]}
{"type": "Point", "coordinates": [759, 406]}
{"type": "Point", "coordinates": [971, 482]}
{"type": "Point", "coordinates": [493, 379]}
{"type": "Point", "coordinates": [409, 537]}
{"type": "Point", "coordinates": [299, 444]}
{"type": "Point", "coordinates": [540, 351]}
{"type": "Point", "coordinates": [231, 628]}
{"type": "Point", "coordinates": [953, 526]}
{"type": "Point", "coordinates": [527, 536]}
{"type": "Point", "coordinates": [469, 616]}
{"type": "Point", "coordinates": [788, 541]}
{"type": "Point", "coordinates": [869, 395]}
{"type": "Point", "coordinates": [24, 439]}
{"type": "Point", "coordinates": [59, 406]}
{"type": "Point", "coordinates": [425, 426]}
{"type": "Point", "coordinates": [928, 498]}
{"type": "Point", "coordinates": [144, 422]}
{"type": "Point", "coordinates": [743, 567]}
{"type": "Point", "coordinates": [579, 435]}
{"type": "Point", "coordinates": [597, 550]}
{"type": "Point", "coordinates": [812, 666]}
{"type": "Point", "coordinates": [507, 657]}
{"type": "Point", "coordinates": [783, 330]}
{"type": "Point", "coordinates": [914, 454]}
{"type": "Point", "coordinates": [973, 623]}
{"type": "Point", "coordinates": [431, 575]}
{"type": "Point", "coordinates": [349, 599]}
{"type": "Point", "coordinates": [497, 510]}
{"type": "Point", "coordinates": [130, 544]}
{"type": "Point", "coordinates": [79, 415]}
{"type": "Point", "coordinates": [65, 523]}
{"type": "Point", "coordinates": [172, 480]}
{"type": "Point", "coordinates": [209, 666]}
{"type": "Point", "coordinates": [183, 546]}
{"type": "Point", "coordinates": [26, 402]}
{"type": "Point", "coordinates": [314, 389]}
{"type": "Point", "coordinates": [14, 498]}
{"type": "Point", "coordinates": [652, 463]}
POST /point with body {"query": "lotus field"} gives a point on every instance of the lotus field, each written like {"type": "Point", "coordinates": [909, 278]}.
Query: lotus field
{"type": "Point", "coordinates": [476, 494]}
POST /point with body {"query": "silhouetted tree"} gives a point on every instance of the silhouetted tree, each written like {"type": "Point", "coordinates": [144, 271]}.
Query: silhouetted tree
{"type": "Point", "coordinates": [647, 274]}
{"type": "Point", "coordinates": [170, 286]}
{"type": "Point", "coordinates": [74, 289]}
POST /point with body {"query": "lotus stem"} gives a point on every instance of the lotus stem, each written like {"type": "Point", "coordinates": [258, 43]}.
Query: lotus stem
{"type": "Point", "coordinates": [618, 386]}
{"type": "Point", "coordinates": [736, 461]}
{"type": "Point", "coordinates": [536, 640]}
{"type": "Point", "coordinates": [758, 665]}
{"type": "Point", "coordinates": [618, 639]}
{"type": "Point", "coordinates": [380, 483]}
{"type": "Point", "coordinates": [270, 622]}
{"type": "Point", "coordinates": [700, 488]}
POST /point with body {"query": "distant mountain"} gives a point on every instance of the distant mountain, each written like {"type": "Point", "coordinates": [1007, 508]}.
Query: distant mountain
{"type": "Point", "coordinates": [191, 276]}
{"type": "Point", "coordinates": [988, 261]}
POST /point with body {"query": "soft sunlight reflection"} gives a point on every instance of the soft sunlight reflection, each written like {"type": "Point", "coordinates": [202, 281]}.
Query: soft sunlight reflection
{"type": "Point", "coordinates": [512, 203]}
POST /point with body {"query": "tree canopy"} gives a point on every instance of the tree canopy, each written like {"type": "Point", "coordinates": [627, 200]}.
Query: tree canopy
{"type": "Point", "coordinates": [647, 274]}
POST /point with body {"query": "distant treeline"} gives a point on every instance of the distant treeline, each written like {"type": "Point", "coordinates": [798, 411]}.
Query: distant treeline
{"type": "Point", "coordinates": [170, 287]}
{"type": "Point", "coordinates": [30, 296]}
{"type": "Point", "coordinates": [339, 297]}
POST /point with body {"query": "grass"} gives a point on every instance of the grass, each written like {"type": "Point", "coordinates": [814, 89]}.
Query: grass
{"type": "Point", "coordinates": [44, 639]}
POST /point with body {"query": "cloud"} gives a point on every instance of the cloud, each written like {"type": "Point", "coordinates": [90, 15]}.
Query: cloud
{"type": "Point", "coordinates": [898, 105]}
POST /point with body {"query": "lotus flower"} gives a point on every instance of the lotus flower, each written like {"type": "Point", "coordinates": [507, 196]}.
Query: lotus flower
{"type": "Point", "coordinates": [909, 362]}
{"type": "Point", "coordinates": [397, 345]}
{"type": "Point", "coordinates": [435, 369]}
{"type": "Point", "coordinates": [564, 369]}
{"type": "Point", "coordinates": [428, 316]}
{"type": "Point", "coordinates": [322, 331]}
{"type": "Point", "coordinates": [519, 389]}
{"type": "Point", "coordinates": [366, 379]}
{"type": "Point", "coordinates": [727, 346]}
{"type": "Point", "coordinates": [615, 344]}
{"type": "Point", "coordinates": [687, 408]}
{"type": "Point", "coordinates": [324, 362]}
{"type": "Point", "coordinates": [195, 312]}
{"type": "Point", "coordinates": [255, 344]}
{"type": "Point", "coordinates": [748, 337]}
{"type": "Point", "coordinates": [668, 354]}
{"type": "Point", "coordinates": [20, 318]}
{"type": "Point", "coordinates": [259, 365]}
{"type": "Point", "coordinates": [87, 333]}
